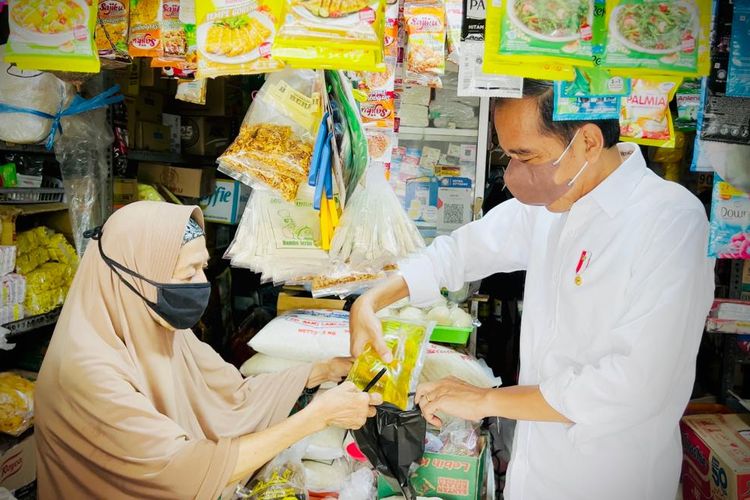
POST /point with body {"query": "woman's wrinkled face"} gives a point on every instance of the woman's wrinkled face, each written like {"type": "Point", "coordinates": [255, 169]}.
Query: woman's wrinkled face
{"type": "Point", "coordinates": [190, 268]}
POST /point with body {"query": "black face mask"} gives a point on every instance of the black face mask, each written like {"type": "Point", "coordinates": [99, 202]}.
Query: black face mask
{"type": "Point", "coordinates": [181, 305]}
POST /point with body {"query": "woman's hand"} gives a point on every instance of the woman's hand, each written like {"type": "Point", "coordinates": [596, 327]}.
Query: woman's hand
{"type": "Point", "coordinates": [333, 370]}
{"type": "Point", "coordinates": [344, 406]}
{"type": "Point", "coordinates": [453, 397]}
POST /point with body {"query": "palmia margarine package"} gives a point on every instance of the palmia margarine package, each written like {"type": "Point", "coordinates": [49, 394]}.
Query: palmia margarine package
{"type": "Point", "coordinates": [543, 68]}
{"type": "Point", "coordinates": [659, 36]}
{"type": "Point", "coordinates": [644, 115]}
{"type": "Point", "coordinates": [332, 34]}
{"type": "Point", "coordinates": [235, 37]}
{"type": "Point", "coordinates": [54, 35]}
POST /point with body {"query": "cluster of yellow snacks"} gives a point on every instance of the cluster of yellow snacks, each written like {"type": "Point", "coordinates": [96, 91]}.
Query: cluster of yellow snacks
{"type": "Point", "coordinates": [48, 262]}
{"type": "Point", "coordinates": [16, 404]}
{"type": "Point", "coordinates": [407, 341]}
{"type": "Point", "coordinates": [258, 147]}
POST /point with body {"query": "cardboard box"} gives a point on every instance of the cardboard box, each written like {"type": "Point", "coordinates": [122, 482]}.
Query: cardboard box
{"type": "Point", "coordinates": [182, 181]}
{"type": "Point", "coordinates": [128, 79]}
{"type": "Point", "coordinates": [124, 191]}
{"type": "Point", "coordinates": [17, 462]}
{"type": "Point", "coordinates": [448, 477]}
{"type": "Point", "coordinates": [149, 106]}
{"type": "Point", "coordinates": [174, 122]}
{"type": "Point", "coordinates": [205, 136]}
{"type": "Point", "coordinates": [716, 457]}
{"type": "Point", "coordinates": [152, 136]}
{"type": "Point", "coordinates": [227, 203]}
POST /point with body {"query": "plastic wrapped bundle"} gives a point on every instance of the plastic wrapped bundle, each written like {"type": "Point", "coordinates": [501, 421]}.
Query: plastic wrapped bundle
{"type": "Point", "coordinates": [16, 404]}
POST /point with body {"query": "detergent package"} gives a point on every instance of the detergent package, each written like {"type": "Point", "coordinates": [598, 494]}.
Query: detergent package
{"type": "Point", "coordinates": [584, 108]}
{"type": "Point", "coordinates": [730, 222]}
{"type": "Point", "coordinates": [595, 82]}
{"type": "Point", "coordinates": [408, 342]}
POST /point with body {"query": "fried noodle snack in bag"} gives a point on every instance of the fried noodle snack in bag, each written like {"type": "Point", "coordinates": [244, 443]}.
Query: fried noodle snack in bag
{"type": "Point", "coordinates": [408, 342]}
{"type": "Point", "coordinates": [550, 30]}
{"type": "Point", "coordinates": [659, 36]}
{"type": "Point", "coordinates": [275, 143]}
{"type": "Point", "coordinates": [54, 35]}
{"type": "Point", "coordinates": [425, 46]}
{"type": "Point", "coordinates": [644, 115]}
{"type": "Point", "coordinates": [16, 404]}
{"type": "Point", "coordinates": [234, 38]}
{"type": "Point", "coordinates": [145, 28]}
{"type": "Point", "coordinates": [174, 37]}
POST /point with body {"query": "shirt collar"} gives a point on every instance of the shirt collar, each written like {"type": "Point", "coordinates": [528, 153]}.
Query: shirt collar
{"type": "Point", "coordinates": [613, 193]}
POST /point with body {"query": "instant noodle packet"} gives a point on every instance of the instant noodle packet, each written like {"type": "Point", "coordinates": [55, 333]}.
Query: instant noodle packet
{"type": "Point", "coordinates": [145, 28]}
{"type": "Point", "coordinates": [644, 115]}
{"type": "Point", "coordinates": [659, 36]}
{"type": "Point", "coordinates": [425, 46]}
{"type": "Point", "coordinates": [235, 38]}
{"type": "Point", "coordinates": [407, 342]}
{"type": "Point", "coordinates": [53, 37]}
{"type": "Point", "coordinates": [112, 31]}
{"type": "Point", "coordinates": [454, 10]}
{"type": "Point", "coordinates": [555, 30]}
{"type": "Point", "coordinates": [173, 33]}
{"type": "Point", "coordinates": [332, 34]}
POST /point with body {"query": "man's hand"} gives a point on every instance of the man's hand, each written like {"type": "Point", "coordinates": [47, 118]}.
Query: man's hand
{"type": "Point", "coordinates": [453, 397]}
{"type": "Point", "coordinates": [365, 328]}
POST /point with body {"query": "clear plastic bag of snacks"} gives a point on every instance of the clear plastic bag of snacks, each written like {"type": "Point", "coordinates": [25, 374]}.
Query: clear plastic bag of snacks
{"type": "Point", "coordinates": [16, 404]}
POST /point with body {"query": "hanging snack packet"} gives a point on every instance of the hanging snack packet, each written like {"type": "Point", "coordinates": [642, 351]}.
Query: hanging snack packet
{"type": "Point", "coordinates": [495, 63]}
{"type": "Point", "coordinates": [325, 34]}
{"type": "Point", "coordinates": [729, 237]}
{"type": "Point", "coordinates": [584, 108]}
{"type": "Point", "coordinates": [595, 82]}
{"type": "Point", "coordinates": [454, 11]}
{"type": "Point", "coordinates": [390, 35]}
{"type": "Point", "coordinates": [112, 31]}
{"type": "Point", "coordinates": [145, 28]}
{"type": "Point", "coordinates": [425, 46]}
{"type": "Point", "coordinates": [644, 116]}
{"type": "Point", "coordinates": [52, 35]}
{"type": "Point", "coordinates": [558, 30]}
{"type": "Point", "coordinates": [664, 36]}
{"type": "Point", "coordinates": [408, 342]}
{"type": "Point", "coordinates": [192, 91]}
{"type": "Point", "coordinates": [236, 40]}
{"type": "Point", "coordinates": [688, 99]}
{"type": "Point", "coordinates": [378, 111]}
{"type": "Point", "coordinates": [275, 144]}
{"type": "Point", "coordinates": [173, 37]}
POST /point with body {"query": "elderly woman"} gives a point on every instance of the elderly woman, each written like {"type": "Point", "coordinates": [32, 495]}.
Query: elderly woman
{"type": "Point", "coordinates": [130, 404]}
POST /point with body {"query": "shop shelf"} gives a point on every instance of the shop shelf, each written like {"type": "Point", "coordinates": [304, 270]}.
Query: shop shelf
{"type": "Point", "coordinates": [451, 335]}
{"type": "Point", "coordinates": [31, 195]}
{"type": "Point", "coordinates": [168, 157]}
{"type": "Point", "coordinates": [32, 323]}
{"type": "Point", "coordinates": [25, 148]}
{"type": "Point", "coordinates": [436, 134]}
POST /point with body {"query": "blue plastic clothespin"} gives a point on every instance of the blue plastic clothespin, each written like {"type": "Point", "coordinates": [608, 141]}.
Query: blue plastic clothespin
{"type": "Point", "coordinates": [324, 169]}
{"type": "Point", "coordinates": [319, 143]}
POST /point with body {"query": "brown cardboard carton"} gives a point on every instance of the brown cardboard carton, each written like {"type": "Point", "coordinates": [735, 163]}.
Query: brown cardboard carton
{"type": "Point", "coordinates": [152, 136]}
{"type": "Point", "coordinates": [182, 181]}
{"type": "Point", "coordinates": [205, 136]}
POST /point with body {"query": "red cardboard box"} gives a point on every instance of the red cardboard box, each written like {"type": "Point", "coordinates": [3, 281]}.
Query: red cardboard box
{"type": "Point", "coordinates": [716, 457]}
{"type": "Point", "coordinates": [17, 462]}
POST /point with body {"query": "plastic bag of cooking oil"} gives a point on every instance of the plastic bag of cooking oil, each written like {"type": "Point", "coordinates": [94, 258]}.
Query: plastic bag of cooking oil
{"type": "Point", "coordinates": [667, 37]}
{"type": "Point", "coordinates": [407, 341]}
{"type": "Point", "coordinates": [527, 66]}
{"type": "Point", "coordinates": [644, 115]}
{"type": "Point", "coordinates": [275, 143]}
{"type": "Point", "coordinates": [332, 34]}
{"type": "Point", "coordinates": [16, 404]}
{"type": "Point", "coordinates": [235, 38]}
{"type": "Point", "coordinates": [55, 39]}
{"type": "Point", "coordinates": [550, 30]}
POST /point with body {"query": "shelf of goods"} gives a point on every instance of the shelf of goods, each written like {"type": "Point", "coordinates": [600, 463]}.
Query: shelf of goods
{"type": "Point", "coordinates": [32, 323]}
{"type": "Point", "coordinates": [436, 134]}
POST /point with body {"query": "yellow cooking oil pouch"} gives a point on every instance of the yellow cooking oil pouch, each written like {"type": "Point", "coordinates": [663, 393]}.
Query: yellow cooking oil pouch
{"type": "Point", "coordinates": [53, 35]}
{"type": "Point", "coordinates": [395, 381]}
{"type": "Point", "coordinates": [235, 37]}
{"type": "Point", "coordinates": [332, 34]}
{"type": "Point", "coordinates": [527, 66]}
{"type": "Point", "coordinates": [658, 37]}
{"type": "Point", "coordinates": [644, 115]}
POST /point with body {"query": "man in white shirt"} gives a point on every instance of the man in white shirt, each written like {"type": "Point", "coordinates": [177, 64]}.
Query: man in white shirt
{"type": "Point", "coordinates": [618, 287]}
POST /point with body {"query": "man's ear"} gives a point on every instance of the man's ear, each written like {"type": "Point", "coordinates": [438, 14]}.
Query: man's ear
{"type": "Point", "coordinates": [593, 140]}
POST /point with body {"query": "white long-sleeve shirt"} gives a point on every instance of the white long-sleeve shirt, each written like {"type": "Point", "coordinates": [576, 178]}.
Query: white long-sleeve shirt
{"type": "Point", "coordinates": [614, 351]}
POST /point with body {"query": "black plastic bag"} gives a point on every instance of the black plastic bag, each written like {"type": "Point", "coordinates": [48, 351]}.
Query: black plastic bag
{"type": "Point", "coordinates": [392, 441]}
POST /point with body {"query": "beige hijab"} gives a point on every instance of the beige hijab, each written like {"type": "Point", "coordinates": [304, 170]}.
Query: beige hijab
{"type": "Point", "coordinates": [128, 409]}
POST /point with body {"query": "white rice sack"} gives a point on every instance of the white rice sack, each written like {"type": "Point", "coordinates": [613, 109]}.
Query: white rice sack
{"type": "Point", "coordinates": [305, 335]}
{"type": "Point", "coordinates": [441, 362]}
{"type": "Point", "coordinates": [326, 445]}
{"type": "Point", "coordinates": [322, 477]}
{"type": "Point", "coordinates": [260, 363]}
